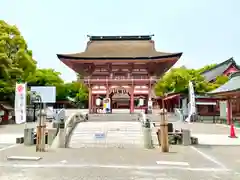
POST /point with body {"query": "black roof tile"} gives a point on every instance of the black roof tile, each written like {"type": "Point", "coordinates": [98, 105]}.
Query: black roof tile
{"type": "Point", "coordinates": [232, 85]}
{"type": "Point", "coordinates": [218, 70]}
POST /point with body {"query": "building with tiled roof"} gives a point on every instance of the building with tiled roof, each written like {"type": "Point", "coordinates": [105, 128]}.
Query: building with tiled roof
{"type": "Point", "coordinates": [225, 68]}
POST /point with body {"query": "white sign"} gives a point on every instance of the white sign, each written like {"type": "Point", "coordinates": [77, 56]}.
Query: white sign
{"type": "Point", "coordinates": [223, 109]}
{"type": "Point", "coordinates": [141, 102]}
{"type": "Point", "coordinates": [100, 135]}
{"type": "Point", "coordinates": [1, 113]}
{"type": "Point", "coordinates": [20, 103]}
{"type": "Point", "coordinates": [47, 93]}
{"type": "Point", "coordinates": [98, 101]}
{"type": "Point", "coordinates": [150, 104]}
{"type": "Point", "coordinates": [106, 105]}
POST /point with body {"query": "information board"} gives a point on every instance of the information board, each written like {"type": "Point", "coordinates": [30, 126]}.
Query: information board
{"type": "Point", "coordinates": [99, 135]}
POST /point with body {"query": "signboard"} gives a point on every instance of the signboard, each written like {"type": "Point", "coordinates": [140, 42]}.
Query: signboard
{"type": "Point", "coordinates": [141, 102]}
{"type": "Point", "coordinates": [99, 135]}
{"type": "Point", "coordinates": [107, 105]}
{"type": "Point", "coordinates": [47, 93]}
{"type": "Point", "coordinates": [1, 113]}
{"type": "Point", "coordinates": [98, 102]}
{"type": "Point", "coordinates": [150, 104]}
{"type": "Point", "coordinates": [223, 109]}
{"type": "Point", "coordinates": [20, 103]}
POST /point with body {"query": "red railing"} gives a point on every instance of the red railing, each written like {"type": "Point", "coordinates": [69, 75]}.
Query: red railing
{"type": "Point", "coordinates": [123, 80]}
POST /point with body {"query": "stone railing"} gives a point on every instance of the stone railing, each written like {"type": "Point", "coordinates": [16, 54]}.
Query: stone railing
{"type": "Point", "coordinates": [142, 117]}
{"type": "Point", "coordinates": [71, 123]}
{"type": "Point", "coordinates": [64, 135]}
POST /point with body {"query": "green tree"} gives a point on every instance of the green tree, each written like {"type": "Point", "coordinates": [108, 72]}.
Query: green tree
{"type": "Point", "coordinates": [45, 77]}
{"type": "Point", "coordinates": [206, 68]}
{"type": "Point", "coordinates": [16, 61]}
{"type": "Point", "coordinates": [48, 77]}
{"type": "Point", "coordinates": [77, 93]}
{"type": "Point", "coordinates": [177, 80]}
{"type": "Point", "coordinates": [221, 80]}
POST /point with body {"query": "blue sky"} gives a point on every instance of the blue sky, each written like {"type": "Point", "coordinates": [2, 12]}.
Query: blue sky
{"type": "Point", "coordinates": [206, 31]}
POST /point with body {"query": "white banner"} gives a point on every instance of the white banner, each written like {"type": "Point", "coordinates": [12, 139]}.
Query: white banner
{"type": "Point", "coordinates": [191, 104]}
{"type": "Point", "coordinates": [20, 103]}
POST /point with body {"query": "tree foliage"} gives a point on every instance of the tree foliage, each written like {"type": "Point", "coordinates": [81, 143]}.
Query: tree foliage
{"type": "Point", "coordinates": [49, 77]}
{"type": "Point", "coordinates": [177, 80]}
{"type": "Point", "coordinates": [17, 63]}
{"type": "Point", "coordinates": [206, 68]}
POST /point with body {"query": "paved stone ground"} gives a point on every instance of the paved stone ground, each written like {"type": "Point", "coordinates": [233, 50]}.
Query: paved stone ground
{"type": "Point", "coordinates": [11, 173]}
{"type": "Point", "coordinates": [210, 134]}
{"type": "Point", "coordinates": [182, 163]}
{"type": "Point", "coordinates": [205, 128]}
{"type": "Point", "coordinates": [226, 155]}
{"type": "Point", "coordinates": [15, 128]}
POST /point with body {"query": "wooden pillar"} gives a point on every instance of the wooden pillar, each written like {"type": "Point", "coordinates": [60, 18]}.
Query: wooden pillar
{"type": "Point", "coordinates": [93, 104]}
{"type": "Point", "coordinates": [164, 129]}
{"type": "Point", "coordinates": [90, 100]}
{"type": "Point", "coordinates": [149, 92]}
{"type": "Point", "coordinates": [132, 100]}
{"type": "Point", "coordinates": [229, 111]}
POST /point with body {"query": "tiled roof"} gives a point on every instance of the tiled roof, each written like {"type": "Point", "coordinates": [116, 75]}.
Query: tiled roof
{"type": "Point", "coordinates": [113, 47]}
{"type": "Point", "coordinates": [232, 85]}
{"type": "Point", "coordinates": [218, 70]}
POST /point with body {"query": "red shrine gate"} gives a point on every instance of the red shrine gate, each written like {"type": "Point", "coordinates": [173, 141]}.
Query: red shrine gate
{"type": "Point", "coordinates": [122, 68]}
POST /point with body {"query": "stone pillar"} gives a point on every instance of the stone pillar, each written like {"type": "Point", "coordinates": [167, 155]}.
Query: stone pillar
{"type": "Point", "coordinates": [28, 136]}
{"type": "Point", "coordinates": [229, 111]}
{"type": "Point", "coordinates": [90, 100]}
{"type": "Point", "coordinates": [132, 100]}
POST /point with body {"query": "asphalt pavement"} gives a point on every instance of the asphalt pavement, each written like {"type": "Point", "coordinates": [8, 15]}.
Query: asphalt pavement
{"type": "Point", "coordinates": [181, 163]}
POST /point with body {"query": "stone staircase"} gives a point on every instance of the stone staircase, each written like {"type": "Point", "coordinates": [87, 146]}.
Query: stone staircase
{"type": "Point", "coordinates": [113, 117]}
{"type": "Point", "coordinates": [107, 134]}
{"type": "Point", "coordinates": [113, 130]}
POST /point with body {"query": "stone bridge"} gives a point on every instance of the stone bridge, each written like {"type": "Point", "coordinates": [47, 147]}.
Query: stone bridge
{"type": "Point", "coordinates": [104, 130]}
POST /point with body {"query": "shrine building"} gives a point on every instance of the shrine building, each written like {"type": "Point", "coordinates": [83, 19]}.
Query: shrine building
{"type": "Point", "coordinates": [122, 68]}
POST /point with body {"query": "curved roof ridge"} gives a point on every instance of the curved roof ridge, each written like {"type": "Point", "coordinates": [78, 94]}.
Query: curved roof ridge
{"type": "Point", "coordinates": [218, 70]}
{"type": "Point", "coordinates": [127, 49]}
{"type": "Point", "coordinates": [220, 64]}
{"type": "Point", "coordinates": [120, 37]}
